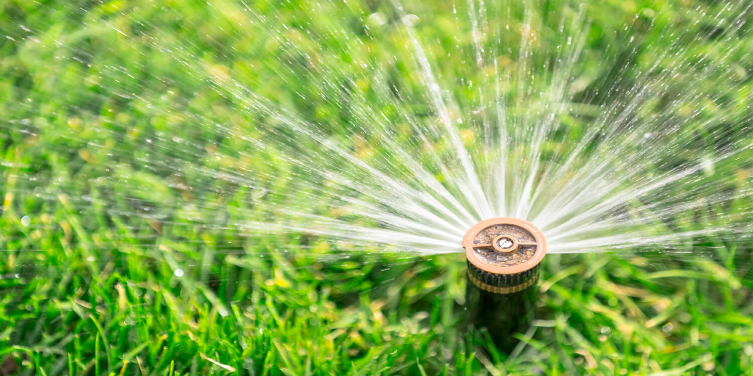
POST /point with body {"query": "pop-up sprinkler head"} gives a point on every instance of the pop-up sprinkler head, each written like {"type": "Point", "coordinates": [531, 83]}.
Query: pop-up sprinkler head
{"type": "Point", "coordinates": [503, 266]}
{"type": "Point", "coordinates": [504, 246]}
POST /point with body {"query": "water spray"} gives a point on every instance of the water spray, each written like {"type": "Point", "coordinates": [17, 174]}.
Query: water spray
{"type": "Point", "coordinates": [503, 267]}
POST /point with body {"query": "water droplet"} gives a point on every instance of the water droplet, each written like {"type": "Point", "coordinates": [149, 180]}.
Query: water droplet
{"type": "Point", "coordinates": [667, 327]}
{"type": "Point", "coordinates": [178, 273]}
{"type": "Point", "coordinates": [411, 20]}
{"type": "Point", "coordinates": [25, 220]}
{"type": "Point", "coordinates": [377, 19]}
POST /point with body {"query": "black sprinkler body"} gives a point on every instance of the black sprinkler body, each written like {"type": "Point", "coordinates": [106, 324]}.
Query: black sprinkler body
{"type": "Point", "coordinates": [503, 268]}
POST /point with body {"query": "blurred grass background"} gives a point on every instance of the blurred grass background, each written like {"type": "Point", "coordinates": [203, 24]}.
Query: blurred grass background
{"type": "Point", "coordinates": [107, 140]}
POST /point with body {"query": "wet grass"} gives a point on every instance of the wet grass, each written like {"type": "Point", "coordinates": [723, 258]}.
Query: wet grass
{"type": "Point", "coordinates": [297, 315]}
{"type": "Point", "coordinates": [119, 257]}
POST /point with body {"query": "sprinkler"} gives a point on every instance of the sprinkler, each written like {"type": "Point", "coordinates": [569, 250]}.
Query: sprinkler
{"type": "Point", "coordinates": [503, 267]}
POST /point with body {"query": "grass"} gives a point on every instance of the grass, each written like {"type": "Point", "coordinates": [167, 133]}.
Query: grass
{"type": "Point", "coordinates": [101, 210]}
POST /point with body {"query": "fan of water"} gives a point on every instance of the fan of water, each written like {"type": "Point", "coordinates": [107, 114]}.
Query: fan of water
{"type": "Point", "coordinates": [393, 126]}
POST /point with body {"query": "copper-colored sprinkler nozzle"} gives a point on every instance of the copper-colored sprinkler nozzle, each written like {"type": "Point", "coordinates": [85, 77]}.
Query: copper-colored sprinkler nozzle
{"type": "Point", "coordinates": [504, 246]}
{"type": "Point", "coordinates": [503, 267]}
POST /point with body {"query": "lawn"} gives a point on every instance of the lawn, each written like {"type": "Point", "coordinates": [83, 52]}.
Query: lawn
{"type": "Point", "coordinates": [127, 166]}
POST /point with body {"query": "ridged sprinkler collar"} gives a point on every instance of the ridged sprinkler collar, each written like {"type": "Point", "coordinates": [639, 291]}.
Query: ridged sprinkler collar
{"type": "Point", "coordinates": [504, 246]}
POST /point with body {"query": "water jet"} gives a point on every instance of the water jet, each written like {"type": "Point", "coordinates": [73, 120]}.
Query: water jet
{"type": "Point", "coordinates": [503, 257]}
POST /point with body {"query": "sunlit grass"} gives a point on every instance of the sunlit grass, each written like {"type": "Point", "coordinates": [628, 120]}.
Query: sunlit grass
{"type": "Point", "coordinates": [113, 263]}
